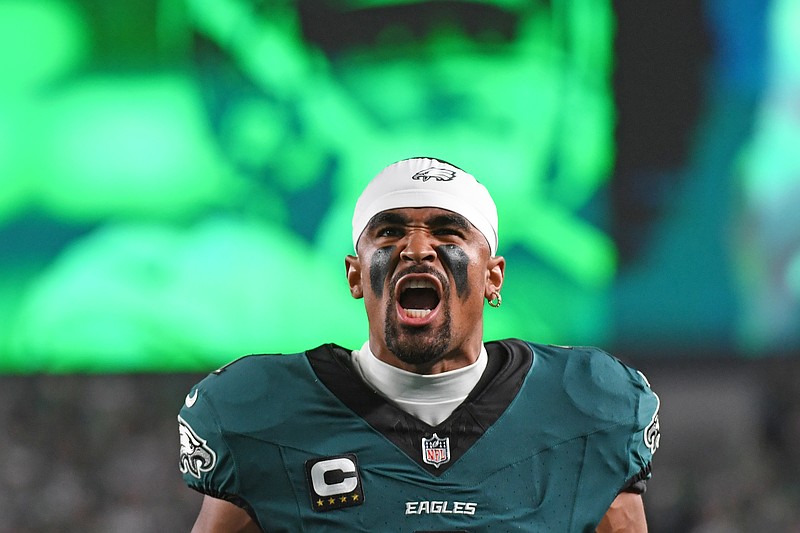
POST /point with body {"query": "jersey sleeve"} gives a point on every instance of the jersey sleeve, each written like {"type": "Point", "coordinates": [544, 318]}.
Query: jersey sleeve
{"type": "Point", "coordinates": [615, 395]}
{"type": "Point", "coordinates": [645, 437]}
{"type": "Point", "coordinates": [206, 462]}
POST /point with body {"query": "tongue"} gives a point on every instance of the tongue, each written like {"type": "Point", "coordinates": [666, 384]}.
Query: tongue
{"type": "Point", "coordinates": [419, 299]}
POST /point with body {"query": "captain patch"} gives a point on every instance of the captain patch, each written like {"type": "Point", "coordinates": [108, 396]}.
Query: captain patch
{"type": "Point", "coordinates": [334, 482]}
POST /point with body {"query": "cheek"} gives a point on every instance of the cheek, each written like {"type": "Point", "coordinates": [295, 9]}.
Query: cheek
{"type": "Point", "coordinates": [457, 262]}
{"type": "Point", "coordinates": [379, 269]}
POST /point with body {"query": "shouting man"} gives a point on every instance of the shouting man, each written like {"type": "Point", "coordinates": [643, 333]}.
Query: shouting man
{"type": "Point", "coordinates": [426, 427]}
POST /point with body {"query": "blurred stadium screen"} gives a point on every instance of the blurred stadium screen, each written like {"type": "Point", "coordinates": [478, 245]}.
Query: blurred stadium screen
{"type": "Point", "coordinates": [177, 177]}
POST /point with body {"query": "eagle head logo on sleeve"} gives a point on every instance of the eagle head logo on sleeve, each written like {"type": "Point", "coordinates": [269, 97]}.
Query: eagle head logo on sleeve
{"type": "Point", "coordinates": [652, 434]}
{"type": "Point", "coordinates": [196, 456]}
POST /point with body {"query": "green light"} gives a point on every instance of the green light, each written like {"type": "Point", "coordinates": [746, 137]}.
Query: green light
{"type": "Point", "coordinates": [192, 253]}
{"type": "Point", "coordinates": [769, 173]}
{"type": "Point", "coordinates": [139, 297]}
{"type": "Point", "coordinates": [40, 41]}
{"type": "Point", "coordinates": [118, 147]}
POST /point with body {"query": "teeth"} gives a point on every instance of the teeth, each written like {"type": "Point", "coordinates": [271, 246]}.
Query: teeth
{"type": "Point", "coordinates": [420, 284]}
{"type": "Point", "coordinates": [417, 313]}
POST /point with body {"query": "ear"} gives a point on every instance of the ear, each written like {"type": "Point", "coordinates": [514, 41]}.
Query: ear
{"type": "Point", "coordinates": [352, 265]}
{"type": "Point", "coordinates": [495, 273]}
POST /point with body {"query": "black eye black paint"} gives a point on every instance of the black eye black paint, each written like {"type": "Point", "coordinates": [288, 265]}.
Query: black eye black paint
{"type": "Point", "coordinates": [379, 268]}
{"type": "Point", "coordinates": [456, 260]}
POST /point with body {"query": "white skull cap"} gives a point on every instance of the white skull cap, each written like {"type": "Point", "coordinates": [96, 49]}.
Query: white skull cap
{"type": "Point", "coordinates": [427, 182]}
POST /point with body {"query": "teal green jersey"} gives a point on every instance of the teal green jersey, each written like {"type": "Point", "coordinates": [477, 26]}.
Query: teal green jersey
{"type": "Point", "coordinates": [544, 443]}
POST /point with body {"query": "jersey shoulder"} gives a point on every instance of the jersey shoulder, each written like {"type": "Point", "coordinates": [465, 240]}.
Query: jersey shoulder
{"type": "Point", "coordinates": [250, 398]}
{"type": "Point", "coordinates": [231, 393]}
{"type": "Point", "coordinates": [609, 391]}
{"type": "Point", "coordinates": [597, 383]}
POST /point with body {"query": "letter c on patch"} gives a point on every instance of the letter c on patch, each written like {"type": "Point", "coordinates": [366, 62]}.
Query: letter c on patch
{"type": "Point", "coordinates": [339, 467]}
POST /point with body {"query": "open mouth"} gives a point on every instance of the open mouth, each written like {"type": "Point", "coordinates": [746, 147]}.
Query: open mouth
{"type": "Point", "coordinates": [418, 296]}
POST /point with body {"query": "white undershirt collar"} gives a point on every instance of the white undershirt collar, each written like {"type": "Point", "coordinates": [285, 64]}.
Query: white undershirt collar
{"type": "Point", "coordinates": [430, 398]}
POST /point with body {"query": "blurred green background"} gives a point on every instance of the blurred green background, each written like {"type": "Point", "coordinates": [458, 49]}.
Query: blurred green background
{"type": "Point", "coordinates": [177, 177]}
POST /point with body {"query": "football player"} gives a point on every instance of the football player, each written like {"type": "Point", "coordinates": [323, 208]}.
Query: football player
{"type": "Point", "coordinates": [426, 427]}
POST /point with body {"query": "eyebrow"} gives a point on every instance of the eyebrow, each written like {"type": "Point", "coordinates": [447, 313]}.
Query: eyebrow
{"type": "Point", "coordinates": [384, 218]}
{"type": "Point", "coordinates": [452, 219]}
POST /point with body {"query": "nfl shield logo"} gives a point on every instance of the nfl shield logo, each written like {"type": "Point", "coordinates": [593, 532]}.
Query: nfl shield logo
{"type": "Point", "coordinates": [435, 451]}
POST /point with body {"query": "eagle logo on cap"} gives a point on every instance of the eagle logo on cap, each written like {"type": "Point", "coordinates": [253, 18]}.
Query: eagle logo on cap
{"type": "Point", "coordinates": [436, 173]}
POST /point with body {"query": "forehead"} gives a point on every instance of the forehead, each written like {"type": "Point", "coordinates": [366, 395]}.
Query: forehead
{"type": "Point", "coordinates": [421, 216]}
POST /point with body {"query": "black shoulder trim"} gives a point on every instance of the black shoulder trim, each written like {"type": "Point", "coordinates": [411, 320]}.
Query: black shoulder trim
{"type": "Point", "coordinates": [331, 363]}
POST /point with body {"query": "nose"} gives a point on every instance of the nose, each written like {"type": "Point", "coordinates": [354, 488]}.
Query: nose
{"type": "Point", "coordinates": [418, 248]}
